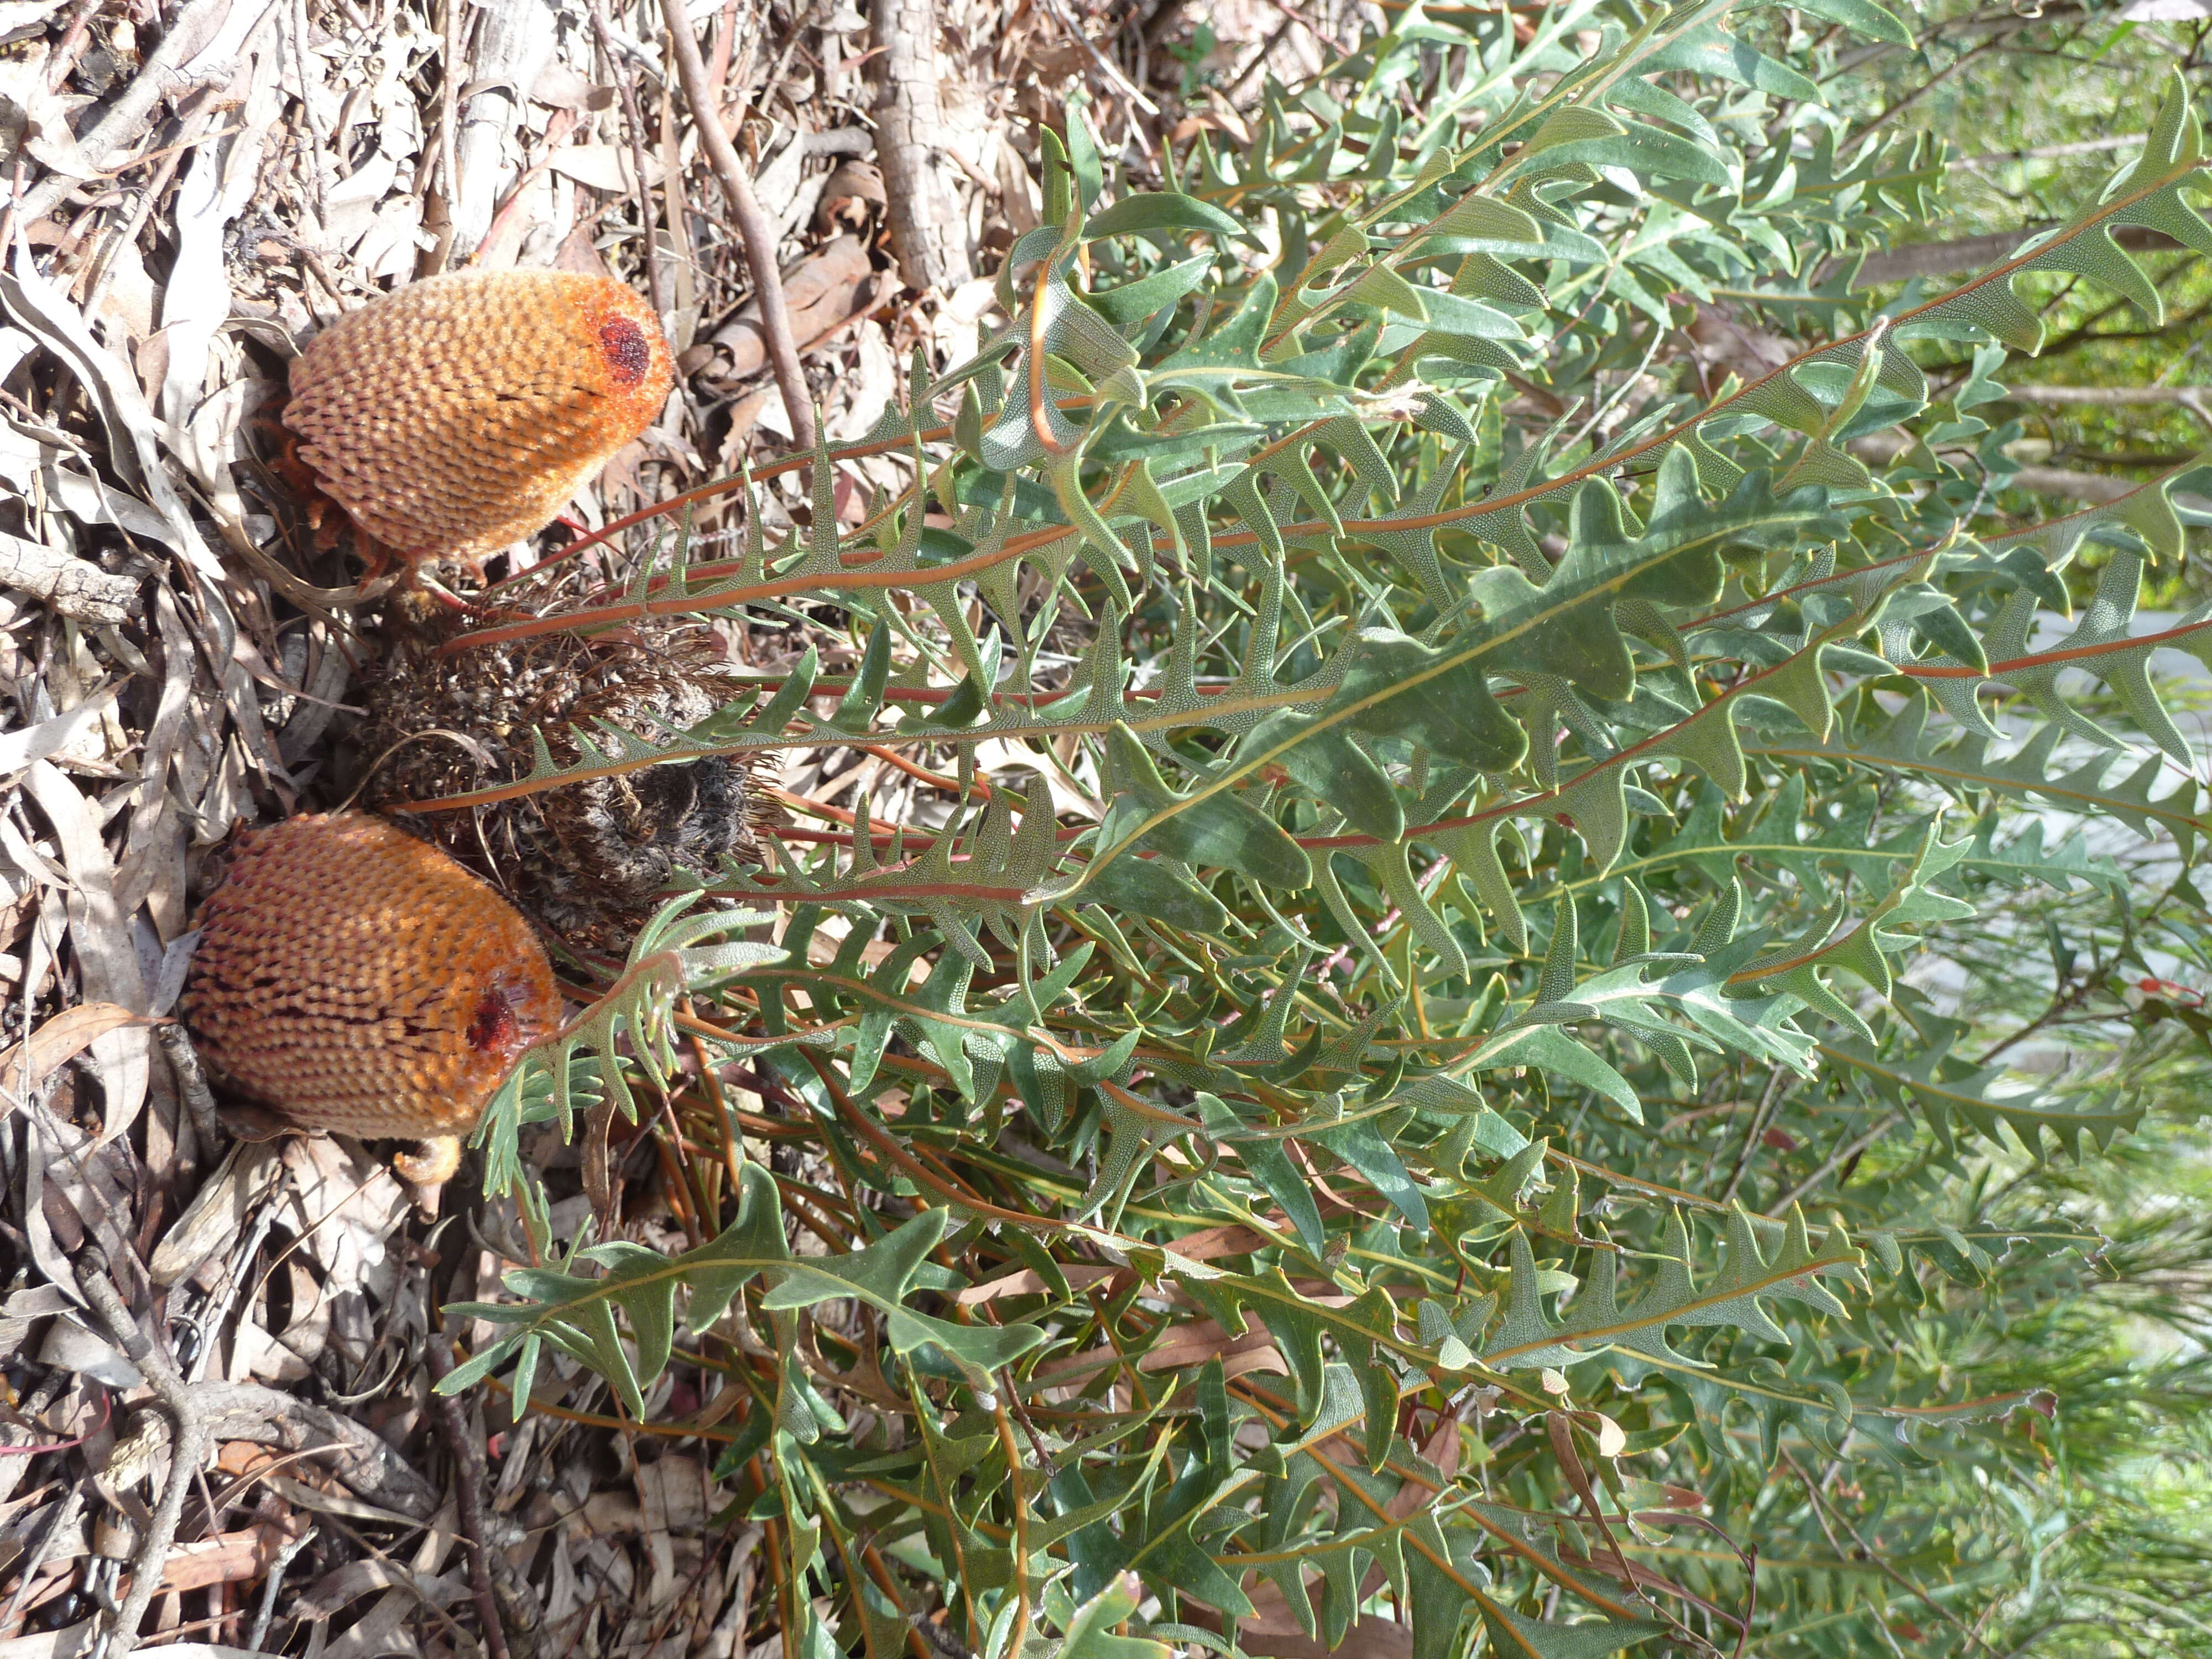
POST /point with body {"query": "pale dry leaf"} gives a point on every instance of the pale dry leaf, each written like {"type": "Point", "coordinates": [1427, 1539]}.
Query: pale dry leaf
{"type": "Point", "coordinates": [107, 965]}
{"type": "Point", "coordinates": [345, 1206]}
{"type": "Point", "coordinates": [26, 1065]}
{"type": "Point", "coordinates": [68, 1346]}
{"type": "Point", "coordinates": [134, 434]}
{"type": "Point", "coordinates": [18, 749]}
{"type": "Point", "coordinates": [868, 388]}
{"type": "Point", "coordinates": [196, 302]}
{"type": "Point", "coordinates": [212, 1222]}
{"type": "Point", "coordinates": [38, 1230]}
{"type": "Point", "coordinates": [604, 167]}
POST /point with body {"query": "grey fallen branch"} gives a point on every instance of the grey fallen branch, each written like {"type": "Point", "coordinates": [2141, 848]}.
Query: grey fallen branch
{"type": "Point", "coordinates": [2096, 488]}
{"type": "Point", "coordinates": [192, 1086]}
{"type": "Point", "coordinates": [188, 1446]}
{"type": "Point", "coordinates": [1896, 265]}
{"type": "Point", "coordinates": [2045, 152]}
{"type": "Point", "coordinates": [468, 1490]}
{"type": "Point", "coordinates": [2109, 394]}
{"type": "Point", "coordinates": [367, 1467]}
{"type": "Point", "coordinates": [2093, 486]}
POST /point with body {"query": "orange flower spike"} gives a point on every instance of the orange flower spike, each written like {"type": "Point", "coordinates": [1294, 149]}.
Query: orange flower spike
{"type": "Point", "coordinates": [360, 982]}
{"type": "Point", "coordinates": [461, 414]}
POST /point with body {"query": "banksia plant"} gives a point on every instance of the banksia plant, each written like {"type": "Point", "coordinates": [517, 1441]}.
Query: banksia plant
{"type": "Point", "coordinates": [1389, 1086]}
{"type": "Point", "coordinates": [358, 981]}
{"type": "Point", "coordinates": [459, 414]}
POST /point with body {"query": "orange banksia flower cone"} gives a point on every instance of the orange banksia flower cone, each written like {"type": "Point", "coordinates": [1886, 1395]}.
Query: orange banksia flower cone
{"type": "Point", "coordinates": [361, 982]}
{"type": "Point", "coordinates": [461, 414]}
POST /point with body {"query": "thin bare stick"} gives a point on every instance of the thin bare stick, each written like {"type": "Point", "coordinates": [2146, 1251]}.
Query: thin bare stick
{"type": "Point", "coordinates": [66, 55]}
{"type": "Point", "coordinates": [2108, 394]}
{"type": "Point", "coordinates": [1107, 66]}
{"type": "Point", "coordinates": [759, 235]}
{"type": "Point", "coordinates": [626, 83]}
{"type": "Point", "coordinates": [187, 1446]}
{"type": "Point", "coordinates": [1258, 60]}
{"type": "Point", "coordinates": [438, 208]}
{"type": "Point", "coordinates": [1836, 1160]}
{"type": "Point", "coordinates": [193, 1085]}
{"type": "Point", "coordinates": [261, 1619]}
{"type": "Point", "coordinates": [468, 1493]}
{"type": "Point", "coordinates": [2046, 152]}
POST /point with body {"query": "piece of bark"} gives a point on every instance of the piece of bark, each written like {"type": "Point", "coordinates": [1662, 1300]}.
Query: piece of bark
{"type": "Point", "coordinates": [852, 193]}
{"type": "Point", "coordinates": [77, 588]}
{"type": "Point", "coordinates": [514, 42]}
{"type": "Point", "coordinates": [822, 292]}
{"type": "Point", "coordinates": [926, 229]}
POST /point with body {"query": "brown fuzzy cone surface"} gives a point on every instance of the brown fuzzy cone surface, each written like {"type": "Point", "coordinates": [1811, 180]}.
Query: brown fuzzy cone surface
{"type": "Point", "coordinates": [461, 414]}
{"type": "Point", "coordinates": [360, 982]}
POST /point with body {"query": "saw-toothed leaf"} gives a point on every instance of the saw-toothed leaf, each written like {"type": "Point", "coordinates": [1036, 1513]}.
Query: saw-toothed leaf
{"type": "Point", "coordinates": [1156, 888]}
{"type": "Point", "coordinates": [1162, 210]}
{"type": "Point", "coordinates": [1330, 766]}
{"type": "Point", "coordinates": [1438, 701]}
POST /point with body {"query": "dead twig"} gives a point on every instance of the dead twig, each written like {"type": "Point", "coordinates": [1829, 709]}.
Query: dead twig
{"type": "Point", "coordinates": [275, 1580]}
{"type": "Point", "coordinates": [73, 37]}
{"type": "Point", "coordinates": [438, 207]}
{"type": "Point", "coordinates": [191, 1085]}
{"type": "Point", "coordinates": [468, 1493]}
{"type": "Point", "coordinates": [1107, 66]}
{"type": "Point", "coordinates": [188, 1445]}
{"type": "Point", "coordinates": [196, 122]}
{"type": "Point", "coordinates": [634, 124]}
{"type": "Point", "coordinates": [369, 1468]}
{"type": "Point", "coordinates": [1258, 60]}
{"type": "Point", "coordinates": [759, 235]}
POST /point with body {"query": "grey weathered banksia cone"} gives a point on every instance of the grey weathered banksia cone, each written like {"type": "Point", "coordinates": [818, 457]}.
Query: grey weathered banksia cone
{"type": "Point", "coordinates": [590, 861]}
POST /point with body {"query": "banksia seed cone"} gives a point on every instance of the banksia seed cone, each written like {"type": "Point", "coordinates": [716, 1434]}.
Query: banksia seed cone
{"type": "Point", "coordinates": [360, 982]}
{"type": "Point", "coordinates": [461, 413]}
{"type": "Point", "coordinates": [591, 861]}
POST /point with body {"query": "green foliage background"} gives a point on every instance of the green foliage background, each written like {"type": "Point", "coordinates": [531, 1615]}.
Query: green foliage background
{"type": "Point", "coordinates": [1614, 1066]}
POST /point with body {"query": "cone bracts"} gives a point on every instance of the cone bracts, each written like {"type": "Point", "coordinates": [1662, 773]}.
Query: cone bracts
{"type": "Point", "coordinates": [589, 861]}
{"type": "Point", "coordinates": [459, 414]}
{"type": "Point", "coordinates": [360, 982]}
